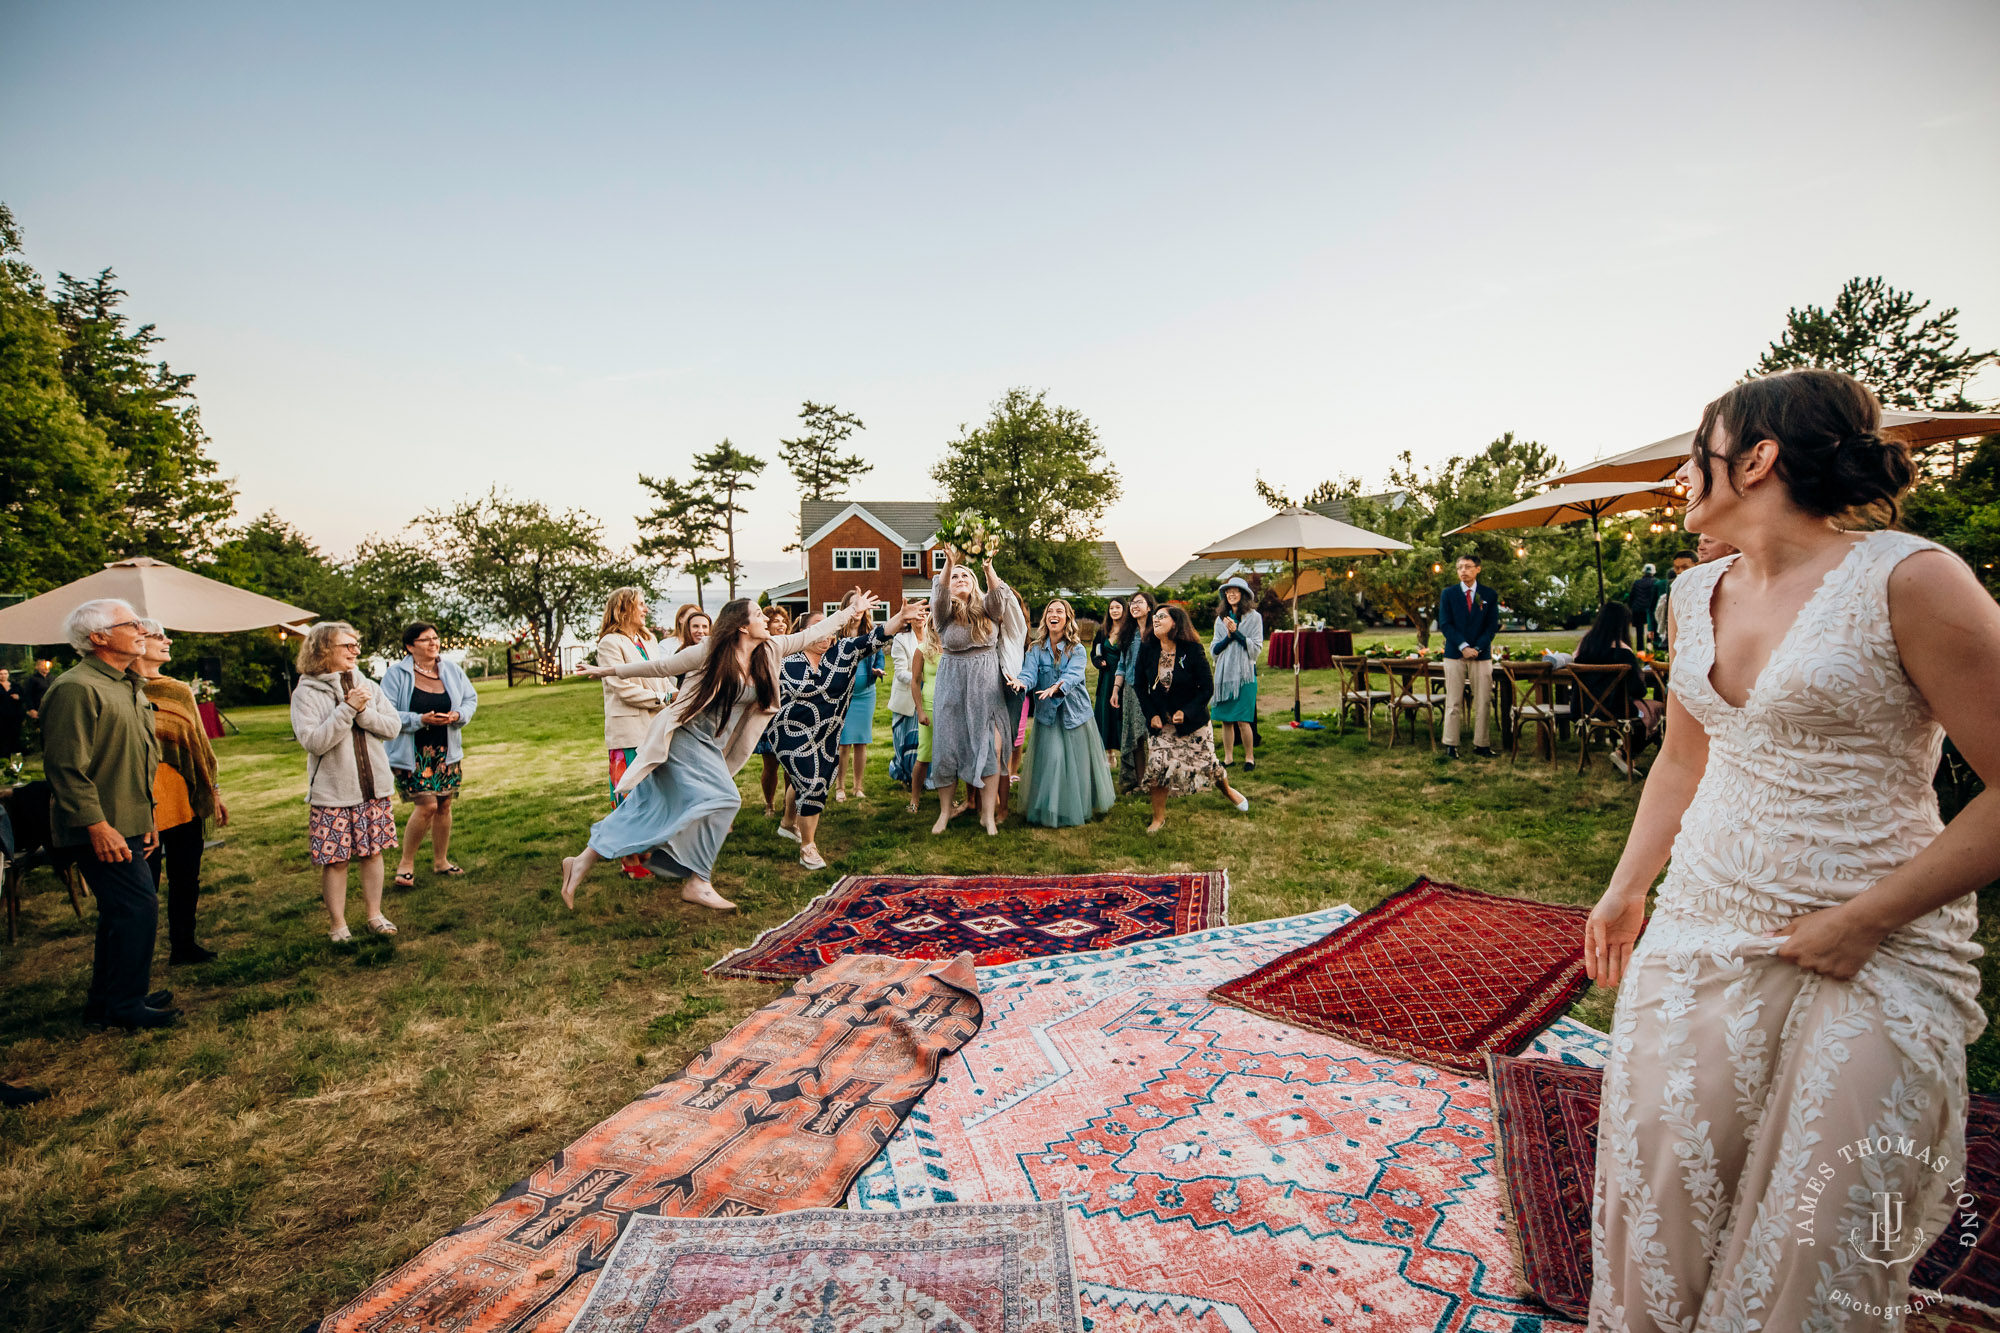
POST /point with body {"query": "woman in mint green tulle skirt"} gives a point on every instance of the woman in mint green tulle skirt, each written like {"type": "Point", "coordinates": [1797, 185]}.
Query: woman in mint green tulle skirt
{"type": "Point", "coordinates": [1067, 779]}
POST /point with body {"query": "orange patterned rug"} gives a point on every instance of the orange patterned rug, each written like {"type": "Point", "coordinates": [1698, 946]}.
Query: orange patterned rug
{"type": "Point", "coordinates": [782, 1113]}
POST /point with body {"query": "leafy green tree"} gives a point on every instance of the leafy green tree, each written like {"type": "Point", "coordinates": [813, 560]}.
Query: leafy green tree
{"type": "Point", "coordinates": [822, 471]}
{"type": "Point", "coordinates": [519, 565]}
{"type": "Point", "coordinates": [57, 508]}
{"type": "Point", "coordinates": [681, 531]}
{"type": "Point", "coordinates": [1039, 473]}
{"type": "Point", "coordinates": [1965, 515]}
{"type": "Point", "coordinates": [268, 556]}
{"type": "Point", "coordinates": [174, 505]}
{"type": "Point", "coordinates": [722, 474]}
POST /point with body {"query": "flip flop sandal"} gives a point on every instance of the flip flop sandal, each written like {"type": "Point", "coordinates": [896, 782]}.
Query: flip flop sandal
{"type": "Point", "coordinates": [405, 879]}
{"type": "Point", "coordinates": [341, 936]}
{"type": "Point", "coordinates": [448, 868]}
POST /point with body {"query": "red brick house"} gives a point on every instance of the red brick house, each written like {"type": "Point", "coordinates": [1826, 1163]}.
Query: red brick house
{"type": "Point", "coordinates": [889, 548]}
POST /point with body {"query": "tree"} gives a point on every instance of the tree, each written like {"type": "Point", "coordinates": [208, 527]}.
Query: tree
{"type": "Point", "coordinates": [174, 505]}
{"type": "Point", "coordinates": [56, 502]}
{"type": "Point", "coordinates": [516, 564]}
{"type": "Point", "coordinates": [722, 474]}
{"type": "Point", "coordinates": [1965, 515]}
{"type": "Point", "coordinates": [1879, 335]}
{"type": "Point", "coordinates": [682, 528]}
{"type": "Point", "coordinates": [1038, 471]}
{"type": "Point", "coordinates": [822, 471]}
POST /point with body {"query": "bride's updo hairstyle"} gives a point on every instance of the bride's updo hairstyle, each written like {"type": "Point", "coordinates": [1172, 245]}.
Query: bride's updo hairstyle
{"type": "Point", "coordinates": [1831, 455]}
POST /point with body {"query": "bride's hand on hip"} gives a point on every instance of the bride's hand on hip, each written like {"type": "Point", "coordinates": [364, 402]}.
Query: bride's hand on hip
{"type": "Point", "coordinates": [1610, 933]}
{"type": "Point", "coordinates": [1834, 942]}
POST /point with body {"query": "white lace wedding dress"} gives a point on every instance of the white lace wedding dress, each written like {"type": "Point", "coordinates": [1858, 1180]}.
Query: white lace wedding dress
{"type": "Point", "coordinates": [1723, 1198]}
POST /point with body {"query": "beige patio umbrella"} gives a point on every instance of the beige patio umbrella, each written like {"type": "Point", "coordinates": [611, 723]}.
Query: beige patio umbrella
{"type": "Point", "coordinates": [1297, 534]}
{"type": "Point", "coordinates": [1570, 504]}
{"type": "Point", "coordinates": [1657, 462]}
{"type": "Point", "coordinates": [177, 598]}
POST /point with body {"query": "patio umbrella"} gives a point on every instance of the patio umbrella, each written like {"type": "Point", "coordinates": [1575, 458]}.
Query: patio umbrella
{"type": "Point", "coordinates": [1297, 534]}
{"type": "Point", "coordinates": [1657, 462]}
{"type": "Point", "coordinates": [177, 598]}
{"type": "Point", "coordinates": [1568, 504]}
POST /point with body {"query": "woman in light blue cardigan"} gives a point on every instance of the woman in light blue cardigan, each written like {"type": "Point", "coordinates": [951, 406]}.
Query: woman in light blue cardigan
{"type": "Point", "coordinates": [435, 700]}
{"type": "Point", "coordinates": [1068, 779]}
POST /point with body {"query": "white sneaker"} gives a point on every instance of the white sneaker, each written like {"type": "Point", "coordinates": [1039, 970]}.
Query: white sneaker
{"type": "Point", "coordinates": [811, 859]}
{"type": "Point", "coordinates": [1618, 762]}
{"type": "Point", "coordinates": [784, 832]}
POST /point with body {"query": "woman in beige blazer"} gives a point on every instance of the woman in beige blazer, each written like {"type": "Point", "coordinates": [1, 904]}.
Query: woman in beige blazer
{"type": "Point", "coordinates": [630, 705]}
{"type": "Point", "coordinates": [680, 788]}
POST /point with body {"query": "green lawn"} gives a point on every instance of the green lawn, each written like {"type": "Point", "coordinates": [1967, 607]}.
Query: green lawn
{"type": "Point", "coordinates": [324, 1112]}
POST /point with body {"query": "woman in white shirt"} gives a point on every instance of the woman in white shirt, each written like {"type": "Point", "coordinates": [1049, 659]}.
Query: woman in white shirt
{"type": "Point", "coordinates": [630, 702]}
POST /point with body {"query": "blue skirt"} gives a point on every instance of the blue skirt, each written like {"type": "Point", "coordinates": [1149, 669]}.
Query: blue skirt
{"type": "Point", "coordinates": [683, 808]}
{"type": "Point", "coordinates": [1067, 778]}
{"type": "Point", "coordinates": [1243, 708]}
{"type": "Point", "coordinates": [857, 726]}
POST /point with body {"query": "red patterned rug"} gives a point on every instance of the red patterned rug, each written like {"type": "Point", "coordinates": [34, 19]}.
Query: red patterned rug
{"type": "Point", "coordinates": [780, 1114]}
{"type": "Point", "coordinates": [995, 918]}
{"type": "Point", "coordinates": [957, 1268]}
{"type": "Point", "coordinates": [1546, 1120]}
{"type": "Point", "coordinates": [1435, 973]}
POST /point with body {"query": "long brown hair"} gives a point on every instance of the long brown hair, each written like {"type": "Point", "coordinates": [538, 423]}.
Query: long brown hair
{"type": "Point", "coordinates": [681, 615]}
{"type": "Point", "coordinates": [1832, 459]}
{"type": "Point", "coordinates": [1136, 624]}
{"type": "Point", "coordinates": [722, 677]}
{"type": "Point", "coordinates": [1070, 638]}
{"type": "Point", "coordinates": [1183, 627]}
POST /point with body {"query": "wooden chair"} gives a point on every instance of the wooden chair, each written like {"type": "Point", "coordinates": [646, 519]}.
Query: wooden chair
{"type": "Point", "coordinates": [1355, 693]}
{"type": "Point", "coordinates": [28, 821]}
{"type": "Point", "coordinates": [1404, 698]}
{"type": "Point", "coordinates": [1535, 705]}
{"type": "Point", "coordinates": [1597, 710]}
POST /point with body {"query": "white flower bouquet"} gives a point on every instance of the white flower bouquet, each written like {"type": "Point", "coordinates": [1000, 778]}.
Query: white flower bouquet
{"type": "Point", "coordinates": [971, 532]}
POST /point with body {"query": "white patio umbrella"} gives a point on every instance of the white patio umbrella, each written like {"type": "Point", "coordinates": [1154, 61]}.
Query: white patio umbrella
{"type": "Point", "coordinates": [1570, 504]}
{"type": "Point", "coordinates": [1297, 534]}
{"type": "Point", "coordinates": [1658, 461]}
{"type": "Point", "coordinates": [177, 598]}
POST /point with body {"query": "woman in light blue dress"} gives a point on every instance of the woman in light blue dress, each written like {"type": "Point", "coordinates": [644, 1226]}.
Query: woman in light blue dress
{"type": "Point", "coordinates": [1068, 779]}
{"type": "Point", "coordinates": [857, 728]}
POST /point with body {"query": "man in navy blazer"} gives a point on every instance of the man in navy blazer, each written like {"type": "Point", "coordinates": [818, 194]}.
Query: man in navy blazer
{"type": "Point", "coordinates": [1469, 617]}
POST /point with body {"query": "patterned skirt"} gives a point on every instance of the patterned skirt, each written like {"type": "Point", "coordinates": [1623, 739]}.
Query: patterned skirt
{"type": "Point", "coordinates": [1182, 764]}
{"type": "Point", "coordinates": [350, 832]}
{"type": "Point", "coordinates": [434, 775]}
{"type": "Point", "coordinates": [620, 761]}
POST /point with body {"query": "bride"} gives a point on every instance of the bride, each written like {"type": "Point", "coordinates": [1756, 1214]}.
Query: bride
{"type": "Point", "coordinates": [1784, 1104]}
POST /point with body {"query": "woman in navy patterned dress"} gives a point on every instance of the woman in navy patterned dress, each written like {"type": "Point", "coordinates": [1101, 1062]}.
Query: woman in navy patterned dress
{"type": "Point", "coordinates": [806, 733]}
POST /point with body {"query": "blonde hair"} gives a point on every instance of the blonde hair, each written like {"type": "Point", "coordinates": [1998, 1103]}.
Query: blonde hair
{"type": "Point", "coordinates": [1071, 638]}
{"type": "Point", "coordinates": [621, 608]}
{"type": "Point", "coordinates": [972, 613]}
{"type": "Point", "coordinates": [681, 621]}
{"type": "Point", "coordinates": [316, 653]}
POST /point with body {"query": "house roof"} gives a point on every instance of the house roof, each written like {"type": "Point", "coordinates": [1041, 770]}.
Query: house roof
{"type": "Point", "coordinates": [1198, 568]}
{"type": "Point", "coordinates": [1337, 510]}
{"type": "Point", "coordinates": [1120, 580]}
{"type": "Point", "coordinates": [786, 592]}
{"type": "Point", "coordinates": [908, 522]}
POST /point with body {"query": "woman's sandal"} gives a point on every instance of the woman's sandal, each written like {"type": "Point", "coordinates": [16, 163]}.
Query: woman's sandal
{"type": "Point", "coordinates": [448, 868]}
{"type": "Point", "coordinates": [341, 936]}
{"type": "Point", "coordinates": [381, 925]}
{"type": "Point", "coordinates": [405, 879]}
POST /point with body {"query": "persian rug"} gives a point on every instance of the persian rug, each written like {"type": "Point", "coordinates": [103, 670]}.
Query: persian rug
{"type": "Point", "coordinates": [1435, 973]}
{"type": "Point", "coordinates": [1224, 1172]}
{"type": "Point", "coordinates": [995, 918]}
{"type": "Point", "coordinates": [781, 1113]}
{"type": "Point", "coordinates": [956, 1268]}
{"type": "Point", "coordinates": [1547, 1124]}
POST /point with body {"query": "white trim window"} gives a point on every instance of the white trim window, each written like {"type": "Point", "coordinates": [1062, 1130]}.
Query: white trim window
{"type": "Point", "coordinates": [913, 560]}
{"type": "Point", "coordinates": [854, 559]}
{"type": "Point", "coordinates": [880, 615]}
{"type": "Point", "coordinates": [938, 558]}
{"type": "Point", "coordinates": [829, 609]}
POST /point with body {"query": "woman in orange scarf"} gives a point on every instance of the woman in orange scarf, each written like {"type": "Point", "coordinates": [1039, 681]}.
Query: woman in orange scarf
{"type": "Point", "coordinates": [184, 794]}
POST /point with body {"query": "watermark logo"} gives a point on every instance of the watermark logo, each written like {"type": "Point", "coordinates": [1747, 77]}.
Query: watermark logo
{"type": "Point", "coordinates": [1887, 1240]}
{"type": "Point", "coordinates": [1885, 1233]}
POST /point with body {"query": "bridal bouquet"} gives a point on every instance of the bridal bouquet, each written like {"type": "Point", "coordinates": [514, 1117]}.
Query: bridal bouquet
{"type": "Point", "coordinates": [971, 532]}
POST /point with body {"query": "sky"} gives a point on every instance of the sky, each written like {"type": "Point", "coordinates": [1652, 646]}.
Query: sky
{"type": "Point", "coordinates": [416, 251]}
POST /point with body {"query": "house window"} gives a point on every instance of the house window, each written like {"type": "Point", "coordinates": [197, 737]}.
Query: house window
{"type": "Point", "coordinates": [880, 615]}
{"type": "Point", "coordinates": [829, 609]}
{"type": "Point", "coordinates": [913, 559]}
{"type": "Point", "coordinates": [937, 560]}
{"type": "Point", "coordinates": [856, 558]}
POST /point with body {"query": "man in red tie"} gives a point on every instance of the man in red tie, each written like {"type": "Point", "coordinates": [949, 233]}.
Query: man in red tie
{"type": "Point", "coordinates": [1469, 617]}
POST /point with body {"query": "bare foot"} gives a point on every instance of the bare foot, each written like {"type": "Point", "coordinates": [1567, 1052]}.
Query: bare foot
{"type": "Point", "coordinates": [991, 831]}
{"type": "Point", "coordinates": [702, 893]}
{"type": "Point", "coordinates": [860, 795]}
{"type": "Point", "coordinates": [944, 818]}
{"type": "Point", "coordinates": [572, 876]}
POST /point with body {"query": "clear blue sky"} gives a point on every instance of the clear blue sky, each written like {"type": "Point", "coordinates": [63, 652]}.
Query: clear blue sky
{"type": "Point", "coordinates": [416, 250]}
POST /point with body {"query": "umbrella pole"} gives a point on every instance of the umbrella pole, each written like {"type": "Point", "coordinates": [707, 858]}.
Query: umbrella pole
{"type": "Point", "coordinates": [1298, 646]}
{"type": "Point", "coordinates": [1597, 536]}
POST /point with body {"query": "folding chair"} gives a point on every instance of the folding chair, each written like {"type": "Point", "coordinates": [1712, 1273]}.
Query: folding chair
{"type": "Point", "coordinates": [1597, 709]}
{"type": "Point", "coordinates": [1535, 705]}
{"type": "Point", "coordinates": [1354, 693]}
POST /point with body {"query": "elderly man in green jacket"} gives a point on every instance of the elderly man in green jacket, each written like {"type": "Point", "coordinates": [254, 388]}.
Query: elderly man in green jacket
{"type": "Point", "coordinates": [99, 752]}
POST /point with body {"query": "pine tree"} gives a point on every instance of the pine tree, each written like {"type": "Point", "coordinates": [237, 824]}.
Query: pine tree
{"type": "Point", "coordinates": [1879, 335]}
{"type": "Point", "coordinates": [722, 474]}
{"type": "Point", "coordinates": [173, 505]}
{"type": "Point", "coordinates": [682, 528]}
{"type": "Point", "coordinates": [822, 471]}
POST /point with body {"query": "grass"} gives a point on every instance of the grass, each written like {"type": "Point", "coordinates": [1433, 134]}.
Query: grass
{"type": "Point", "coordinates": [323, 1112]}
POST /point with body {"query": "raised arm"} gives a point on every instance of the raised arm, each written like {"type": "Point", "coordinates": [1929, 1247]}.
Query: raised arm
{"type": "Point", "coordinates": [787, 644]}
{"type": "Point", "coordinates": [612, 651]}
{"type": "Point", "coordinates": [673, 664]}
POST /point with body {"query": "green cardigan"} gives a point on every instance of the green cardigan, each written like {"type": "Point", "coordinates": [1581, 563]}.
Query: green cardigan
{"type": "Point", "coordinates": [99, 752]}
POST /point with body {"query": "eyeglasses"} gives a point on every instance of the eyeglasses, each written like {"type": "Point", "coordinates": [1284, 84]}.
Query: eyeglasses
{"type": "Point", "coordinates": [345, 644]}
{"type": "Point", "coordinates": [123, 624]}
